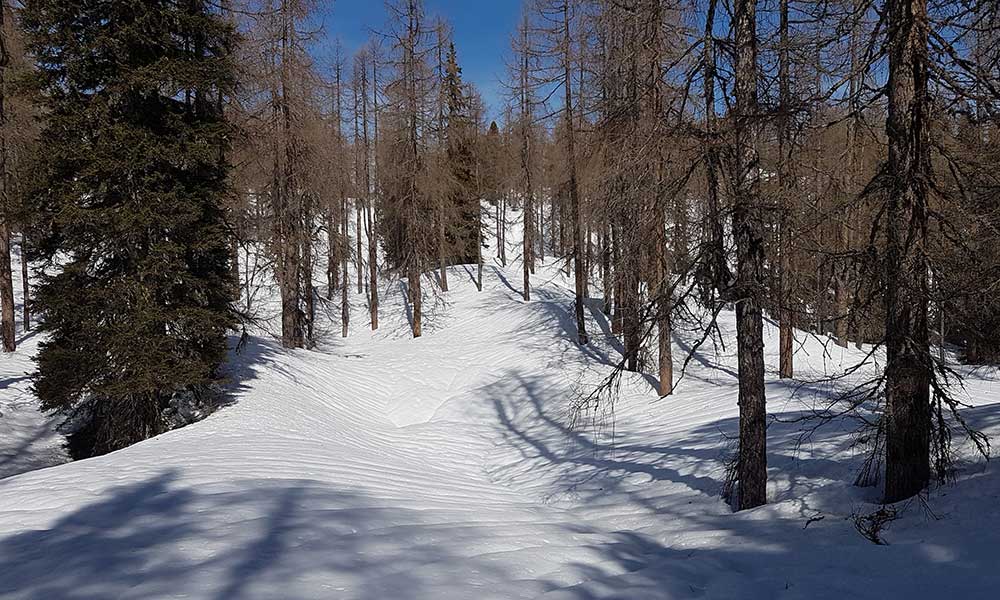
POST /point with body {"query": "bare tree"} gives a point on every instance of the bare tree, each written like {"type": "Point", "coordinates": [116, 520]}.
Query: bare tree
{"type": "Point", "coordinates": [908, 361]}
{"type": "Point", "coordinates": [524, 129]}
{"type": "Point", "coordinates": [748, 290]}
{"type": "Point", "coordinates": [579, 274]}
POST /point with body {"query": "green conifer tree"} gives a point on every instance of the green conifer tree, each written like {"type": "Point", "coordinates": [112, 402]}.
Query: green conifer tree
{"type": "Point", "coordinates": [136, 295]}
{"type": "Point", "coordinates": [460, 151]}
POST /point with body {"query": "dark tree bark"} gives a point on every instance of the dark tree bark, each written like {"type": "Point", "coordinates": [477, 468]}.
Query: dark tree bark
{"type": "Point", "coordinates": [6, 282]}
{"type": "Point", "coordinates": [370, 179]}
{"type": "Point", "coordinates": [908, 361]}
{"type": "Point", "coordinates": [719, 271]}
{"type": "Point", "coordinates": [333, 208]}
{"type": "Point", "coordinates": [25, 284]}
{"type": "Point", "coordinates": [665, 260]}
{"type": "Point", "coordinates": [308, 293]}
{"type": "Point", "coordinates": [752, 465]}
{"type": "Point", "coordinates": [289, 238]}
{"type": "Point", "coordinates": [527, 247]}
{"type": "Point", "coordinates": [787, 184]}
{"type": "Point", "coordinates": [359, 263]}
{"type": "Point", "coordinates": [574, 191]}
{"type": "Point", "coordinates": [414, 261]}
{"type": "Point", "coordinates": [442, 216]}
{"type": "Point", "coordinates": [664, 306]}
{"type": "Point", "coordinates": [618, 316]}
{"type": "Point", "coordinates": [606, 268]}
{"type": "Point", "coordinates": [6, 275]}
{"type": "Point", "coordinates": [345, 254]}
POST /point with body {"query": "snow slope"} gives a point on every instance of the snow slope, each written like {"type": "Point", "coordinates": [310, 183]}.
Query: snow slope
{"type": "Point", "coordinates": [381, 467]}
{"type": "Point", "coordinates": [28, 438]}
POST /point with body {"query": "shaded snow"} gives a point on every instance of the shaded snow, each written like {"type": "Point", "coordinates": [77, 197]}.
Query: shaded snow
{"type": "Point", "coordinates": [28, 438]}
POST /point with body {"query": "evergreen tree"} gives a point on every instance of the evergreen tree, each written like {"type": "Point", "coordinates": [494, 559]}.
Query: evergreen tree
{"type": "Point", "coordinates": [460, 152]}
{"type": "Point", "coordinates": [136, 293]}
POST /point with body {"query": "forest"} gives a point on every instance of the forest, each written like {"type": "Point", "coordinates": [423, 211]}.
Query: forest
{"type": "Point", "coordinates": [774, 219]}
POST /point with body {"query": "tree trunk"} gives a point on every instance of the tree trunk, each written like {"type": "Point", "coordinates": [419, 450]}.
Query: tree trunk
{"type": "Point", "coordinates": [618, 316]}
{"type": "Point", "coordinates": [7, 329]}
{"type": "Point", "coordinates": [332, 260]}
{"type": "Point", "coordinates": [345, 253]}
{"type": "Point", "coordinates": [908, 360]}
{"type": "Point", "coordinates": [719, 271]}
{"type": "Point", "coordinates": [606, 268]}
{"type": "Point", "coordinates": [343, 241]}
{"type": "Point", "coordinates": [587, 261]}
{"type": "Point", "coordinates": [664, 306]}
{"type": "Point", "coordinates": [853, 146]}
{"type": "Point", "coordinates": [786, 181]}
{"type": "Point", "coordinates": [371, 162]}
{"type": "Point", "coordinates": [752, 465]}
{"type": "Point", "coordinates": [415, 199]}
{"type": "Point", "coordinates": [479, 252]}
{"type": "Point", "coordinates": [6, 276]}
{"type": "Point", "coordinates": [289, 215]}
{"type": "Point", "coordinates": [503, 230]}
{"type": "Point", "coordinates": [441, 216]}
{"type": "Point", "coordinates": [665, 261]}
{"type": "Point", "coordinates": [334, 207]}
{"type": "Point", "coordinates": [416, 299]}
{"type": "Point", "coordinates": [574, 192]}
{"type": "Point", "coordinates": [540, 230]}
{"type": "Point", "coordinates": [499, 231]}
{"type": "Point", "coordinates": [360, 262]}
{"type": "Point", "coordinates": [527, 247]}
{"type": "Point", "coordinates": [25, 284]}
{"type": "Point", "coordinates": [629, 305]}
{"type": "Point", "coordinates": [308, 295]}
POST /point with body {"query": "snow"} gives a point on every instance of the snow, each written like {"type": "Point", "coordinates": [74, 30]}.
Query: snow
{"type": "Point", "coordinates": [28, 438]}
{"type": "Point", "coordinates": [451, 467]}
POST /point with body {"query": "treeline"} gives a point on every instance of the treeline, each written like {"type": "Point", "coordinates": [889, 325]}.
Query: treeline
{"type": "Point", "coordinates": [830, 165]}
{"type": "Point", "coordinates": [379, 156]}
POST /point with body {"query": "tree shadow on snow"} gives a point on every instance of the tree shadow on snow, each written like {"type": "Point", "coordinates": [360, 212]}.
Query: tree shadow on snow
{"type": "Point", "coordinates": [246, 360]}
{"type": "Point", "coordinates": [777, 550]}
{"type": "Point", "coordinates": [300, 538]}
{"type": "Point", "coordinates": [272, 538]}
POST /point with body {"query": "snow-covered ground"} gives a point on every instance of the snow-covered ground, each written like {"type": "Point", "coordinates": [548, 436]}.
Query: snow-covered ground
{"type": "Point", "coordinates": [28, 438]}
{"type": "Point", "coordinates": [381, 467]}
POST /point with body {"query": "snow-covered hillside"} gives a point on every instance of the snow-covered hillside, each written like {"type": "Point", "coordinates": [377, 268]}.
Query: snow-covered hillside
{"type": "Point", "coordinates": [28, 438]}
{"type": "Point", "coordinates": [380, 467]}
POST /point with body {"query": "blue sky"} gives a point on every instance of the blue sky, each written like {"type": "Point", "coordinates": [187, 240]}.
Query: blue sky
{"type": "Point", "coordinates": [482, 33]}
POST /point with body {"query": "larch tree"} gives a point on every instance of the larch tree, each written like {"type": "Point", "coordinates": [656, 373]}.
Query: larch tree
{"type": "Point", "coordinates": [908, 360]}
{"type": "Point", "coordinates": [365, 81]}
{"type": "Point", "coordinates": [787, 181]}
{"type": "Point", "coordinates": [337, 153]}
{"type": "Point", "coordinates": [748, 292]}
{"type": "Point", "coordinates": [523, 90]}
{"type": "Point", "coordinates": [407, 113]}
{"type": "Point", "coordinates": [289, 233]}
{"type": "Point", "coordinates": [579, 274]}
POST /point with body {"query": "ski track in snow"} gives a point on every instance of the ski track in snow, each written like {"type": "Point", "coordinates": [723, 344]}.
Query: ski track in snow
{"type": "Point", "coordinates": [380, 467]}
